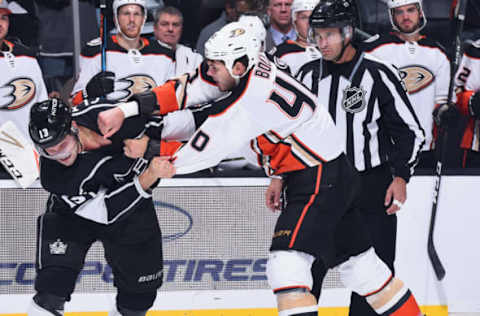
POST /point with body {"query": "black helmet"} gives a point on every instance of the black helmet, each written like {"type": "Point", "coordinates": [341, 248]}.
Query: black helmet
{"type": "Point", "coordinates": [50, 122]}
{"type": "Point", "coordinates": [333, 13]}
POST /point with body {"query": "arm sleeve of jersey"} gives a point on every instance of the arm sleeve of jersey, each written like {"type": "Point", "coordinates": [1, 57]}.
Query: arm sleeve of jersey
{"type": "Point", "coordinates": [108, 205]}
{"type": "Point", "coordinates": [470, 67]}
{"type": "Point", "coordinates": [179, 125]}
{"type": "Point", "coordinates": [467, 79]}
{"type": "Point", "coordinates": [215, 139]}
{"type": "Point", "coordinates": [442, 81]}
{"type": "Point", "coordinates": [401, 123]}
{"type": "Point", "coordinates": [124, 198]}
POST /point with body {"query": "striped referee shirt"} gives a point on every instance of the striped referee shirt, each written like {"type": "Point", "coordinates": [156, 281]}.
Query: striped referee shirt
{"type": "Point", "coordinates": [371, 110]}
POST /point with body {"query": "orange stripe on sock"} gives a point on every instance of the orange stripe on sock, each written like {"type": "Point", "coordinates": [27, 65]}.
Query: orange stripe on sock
{"type": "Point", "coordinates": [409, 308]}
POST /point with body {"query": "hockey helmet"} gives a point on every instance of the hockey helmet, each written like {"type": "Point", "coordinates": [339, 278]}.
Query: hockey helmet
{"type": "Point", "coordinates": [255, 24]}
{"type": "Point", "coordinates": [302, 5]}
{"type": "Point", "coordinates": [50, 122]}
{"type": "Point", "coordinates": [333, 13]}
{"type": "Point", "coordinates": [393, 4]}
{"type": "Point", "coordinates": [5, 7]}
{"type": "Point", "coordinates": [231, 43]}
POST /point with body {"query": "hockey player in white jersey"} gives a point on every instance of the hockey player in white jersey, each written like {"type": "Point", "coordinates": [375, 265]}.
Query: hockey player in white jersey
{"type": "Point", "coordinates": [133, 64]}
{"type": "Point", "coordinates": [296, 53]}
{"type": "Point", "coordinates": [21, 81]}
{"type": "Point", "coordinates": [293, 136]}
{"type": "Point", "coordinates": [422, 62]}
{"type": "Point", "coordinates": [467, 81]}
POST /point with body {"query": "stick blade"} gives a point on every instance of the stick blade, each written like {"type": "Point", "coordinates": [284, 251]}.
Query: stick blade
{"type": "Point", "coordinates": [435, 260]}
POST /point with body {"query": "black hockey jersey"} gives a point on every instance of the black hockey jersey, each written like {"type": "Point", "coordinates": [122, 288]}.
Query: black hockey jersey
{"type": "Point", "coordinates": [102, 185]}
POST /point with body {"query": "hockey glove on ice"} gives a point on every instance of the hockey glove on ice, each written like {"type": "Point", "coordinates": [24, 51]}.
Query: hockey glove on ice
{"type": "Point", "coordinates": [445, 115]}
{"type": "Point", "coordinates": [100, 85]}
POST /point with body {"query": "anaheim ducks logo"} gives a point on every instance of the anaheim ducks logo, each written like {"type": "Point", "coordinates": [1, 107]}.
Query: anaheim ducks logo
{"type": "Point", "coordinates": [137, 84]}
{"type": "Point", "coordinates": [237, 32]}
{"type": "Point", "coordinates": [22, 91]}
{"type": "Point", "coordinates": [416, 78]}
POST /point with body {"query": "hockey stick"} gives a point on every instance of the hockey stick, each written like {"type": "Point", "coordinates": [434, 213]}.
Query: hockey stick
{"type": "Point", "coordinates": [432, 251]}
{"type": "Point", "coordinates": [103, 32]}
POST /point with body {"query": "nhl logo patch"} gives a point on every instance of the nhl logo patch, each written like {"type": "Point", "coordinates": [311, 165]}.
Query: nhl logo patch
{"type": "Point", "coordinates": [353, 99]}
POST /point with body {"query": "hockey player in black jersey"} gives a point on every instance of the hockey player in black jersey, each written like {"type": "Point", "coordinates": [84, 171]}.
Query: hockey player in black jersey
{"type": "Point", "coordinates": [381, 132]}
{"type": "Point", "coordinates": [96, 195]}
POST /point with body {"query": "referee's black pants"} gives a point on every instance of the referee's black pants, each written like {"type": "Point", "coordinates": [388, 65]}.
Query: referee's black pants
{"type": "Point", "coordinates": [382, 229]}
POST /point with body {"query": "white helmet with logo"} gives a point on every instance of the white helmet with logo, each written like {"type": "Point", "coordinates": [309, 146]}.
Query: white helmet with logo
{"type": "Point", "coordinates": [392, 4]}
{"type": "Point", "coordinates": [233, 41]}
{"type": "Point", "coordinates": [256, 26]}
{"type": "Point", "coordinates": [302, 5]}
{"type": "Point", "coordinates": [119, 3]}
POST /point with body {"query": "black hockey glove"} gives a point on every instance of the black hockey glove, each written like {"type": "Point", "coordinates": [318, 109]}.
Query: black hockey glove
{"type": "Point", "coordinates": [153, 149]}
{"type": "Point", "coordinates": [474, 105]}
{"type": "Point", "coordinates": [147, 102]}
{"type": "Point", "coordinates": [445, 115]}
{"type": "Point", "coordinates": [100, 85]}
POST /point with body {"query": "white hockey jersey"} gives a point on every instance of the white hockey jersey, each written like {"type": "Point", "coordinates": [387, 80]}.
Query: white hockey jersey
{"type": "Point", "coordinates": [21, 84]}
{"type": "Point", "coordinates": [295, 55]}
{"type": "Point", "coordinates": [467, 81]}
{"type": "Point", "coordinates": [186, 59]}
{"type": "Point", "coordinates": [135, 70]}
{"type": "Point", "coordinates": [269, 101]}
{"type": "Point", "coordinates": [425, 69]}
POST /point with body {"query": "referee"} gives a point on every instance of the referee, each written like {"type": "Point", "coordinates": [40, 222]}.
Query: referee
{"type": "Point", "coordinates": [373, 113]}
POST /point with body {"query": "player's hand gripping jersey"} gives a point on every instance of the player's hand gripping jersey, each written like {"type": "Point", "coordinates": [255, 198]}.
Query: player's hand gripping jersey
{"type": "Point", "coordinates": [102, 185]}
{"type": "Point", "coordinates": [136, 70]}
{"type": "Point", "coordinates": [468, 82]}
{"type": "Point", "coordinates": [424, 68]}
{"type": "Point", "coordinates": [21, 84]}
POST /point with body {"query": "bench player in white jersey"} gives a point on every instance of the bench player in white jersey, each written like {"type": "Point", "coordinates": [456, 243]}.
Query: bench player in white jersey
{"type": "Point", "coordinates": [296, 53]}
{"type": "Point", "coordinates": [467, 81]}
{"type": "Point", "coordinates": [133, 64]}
{"type": "Point", "coordinates": [21, 82]}
{"type": "Point", "coordinates": [422, 62]}
{"type": "Point", "coordinates": [293, 136]}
